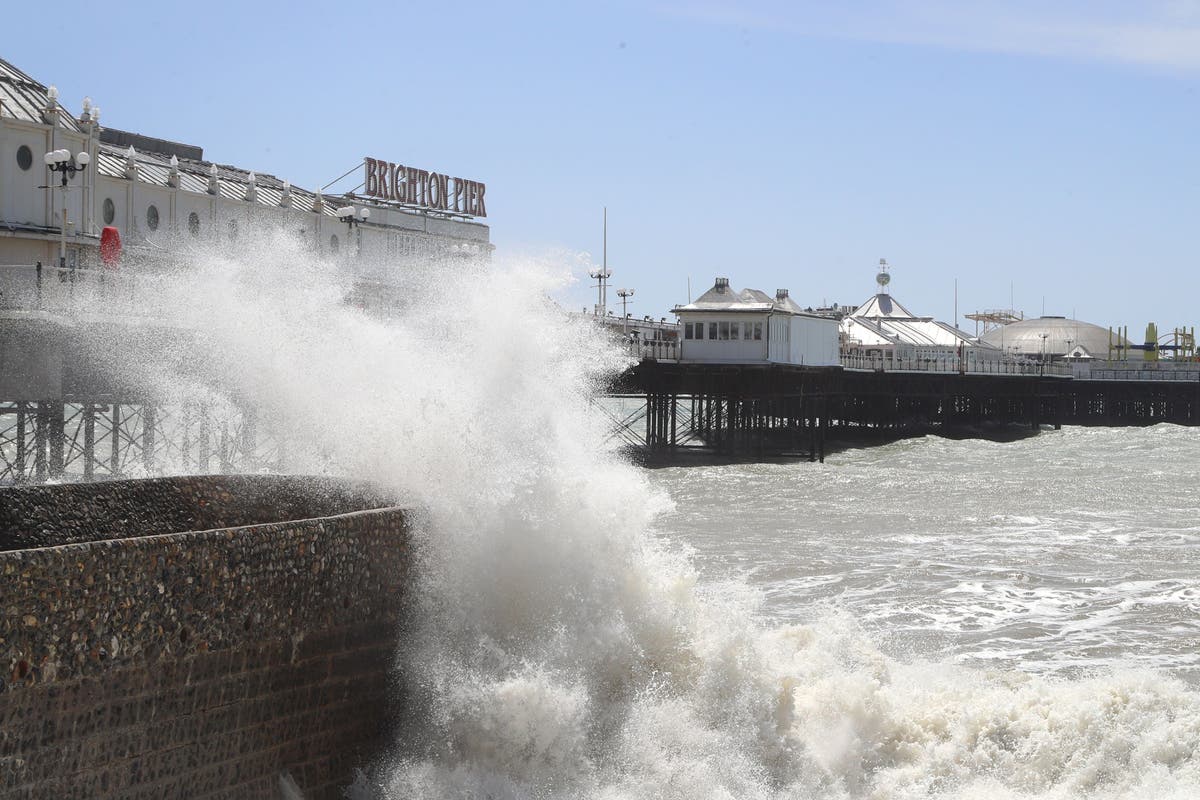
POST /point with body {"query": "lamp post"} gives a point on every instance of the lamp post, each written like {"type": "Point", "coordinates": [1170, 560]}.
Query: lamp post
{"type": "Point", "coordinates": [602, 275]}
{"type": "Point", "coordinates": [354, 217]}
{"type": "Point", "coordinates": [624, 294]}
{"type": "Point", "coordinates": [62, 162]}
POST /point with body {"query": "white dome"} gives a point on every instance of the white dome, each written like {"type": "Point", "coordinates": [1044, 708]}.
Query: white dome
{"type": "Point", "coordinates": [1061, 335]}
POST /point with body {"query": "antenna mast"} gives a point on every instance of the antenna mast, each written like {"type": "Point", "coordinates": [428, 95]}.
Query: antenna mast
{"type": "Point", "coordinates": [603, 274]}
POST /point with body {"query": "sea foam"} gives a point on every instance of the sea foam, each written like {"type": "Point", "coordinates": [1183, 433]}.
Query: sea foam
{"type": "Point", "coordinates": [555, 647]}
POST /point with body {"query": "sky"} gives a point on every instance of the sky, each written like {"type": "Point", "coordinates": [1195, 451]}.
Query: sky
{"type": "Point", "coordinates": [1035, 154]}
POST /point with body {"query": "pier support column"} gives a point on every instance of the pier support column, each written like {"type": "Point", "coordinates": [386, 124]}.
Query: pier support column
{"type": "Point", "coordinates": [653, 420]}
{"type": "Point", "coordinates": [249, 443]}
{"type": "Point", "coordinates": [810, 421]}
{"type": "Point", "coordinates": [204, 445]}
{"type": "Point", "coordinates": [114, 458]}
{"type": "Point", "coordinates": [89, 441]}
{"type": "Point", "coordinates": [674, 406]}
{"type": "Point", "coordinates": [56, 423]}
{"type": "Point", "coordinates": [41, 439]}
{"type": "Point", "coordinates": [19, 476]}
{"type": "Point", "coordinates": [824, 427]}
{"type": "Point", "coordinates": [148, 424]}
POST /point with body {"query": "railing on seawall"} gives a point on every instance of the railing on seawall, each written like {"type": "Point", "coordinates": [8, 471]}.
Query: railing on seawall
{"type": "Point", "coordinates": [967, 365]}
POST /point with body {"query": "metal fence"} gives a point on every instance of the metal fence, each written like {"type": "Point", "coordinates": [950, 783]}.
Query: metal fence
{"type": "Point", "coordinates": [1163, 372]}
{"type": "Point", "coordinates": [656, 350]}
{"type": "Point", "coordinates": [968, 364]}
{"type": "Point", "coordinates": [65, 289]}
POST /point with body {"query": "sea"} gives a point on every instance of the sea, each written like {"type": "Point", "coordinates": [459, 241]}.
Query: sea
{"type": "Point", "coordinates": [1066, 554]}
{"type": "Point", "coordinates": [929, 618]}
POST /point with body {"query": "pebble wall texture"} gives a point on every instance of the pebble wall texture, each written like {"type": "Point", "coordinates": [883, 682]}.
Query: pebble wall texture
{"type": "Point", "coordinates": [199, 664]}
{"type": "Point", "coordinates": [41, 516]}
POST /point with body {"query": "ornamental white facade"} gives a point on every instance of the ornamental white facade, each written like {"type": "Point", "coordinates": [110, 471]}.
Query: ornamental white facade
{"type": "Point", "coordinates": [748, 327]}
{"type": "Point", "coordinates": [154, 191]}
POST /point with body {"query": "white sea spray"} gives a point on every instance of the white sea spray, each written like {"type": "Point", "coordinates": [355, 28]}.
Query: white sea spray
{"type": "Point", "coordinates": [556, 648]}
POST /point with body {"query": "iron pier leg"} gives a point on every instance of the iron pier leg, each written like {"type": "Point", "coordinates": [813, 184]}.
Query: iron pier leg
{"type": "Point", "coordinates": [114, 459]}
{"type": "Point", "coordinates": [89, 441]}
{"type": "Point", "coordinates": [250, 438]}
{"type": "Point", "coordinates": [148, 438]}
{"type": "Point", "coordinates": [811, 421]}
{"type": "Point", "coordinates": [204, 446]}
{"type": "Point", "coordinates": [824, 424]}
{"type": "Point", "coordinates": [722, 421]}
{"type": "Point", "coordinates": [41, 437]}
{"type": "Point", "coordinates": [674, 405]}
{"type": "Point", "coordinates": [223, 449]}
{"type": "Point", "coordinates": [19, 467]}
{"type": "Point", "coordinates": [57, 436]}
{"type": "Point", "coordinates": [649, 421]}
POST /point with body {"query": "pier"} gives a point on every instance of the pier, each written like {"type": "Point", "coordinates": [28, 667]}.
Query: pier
{"type": "Point", "coordinates": [64, 415]}
{"type": "Point", "coordinates": [682, 410]}
{"type": "Point", "coordinates": [64, 418]}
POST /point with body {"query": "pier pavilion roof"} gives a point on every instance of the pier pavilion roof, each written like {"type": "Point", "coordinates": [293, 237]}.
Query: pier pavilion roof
{"type": "Point", "coordinates": [882, 321]}
{"type": "Point", "coordinates": [232, 183]}
{"type": "Point", "coordinates": [23, 98]}
{"type": "Point", "coordinates": [1054, 336]}
{"type": "Point", "coordinates": [724, 298]}
{"type": "Point", "coordinates": [883, 306]}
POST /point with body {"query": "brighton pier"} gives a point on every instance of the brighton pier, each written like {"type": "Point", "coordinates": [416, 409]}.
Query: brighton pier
{"type": "Point", "coordinates": [687, 410]}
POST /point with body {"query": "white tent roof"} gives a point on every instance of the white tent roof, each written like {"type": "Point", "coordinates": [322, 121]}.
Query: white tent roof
{"type": "Point", "coordinates": [881, 320]}
{"type": "Point", "coordinates": [882, 305]}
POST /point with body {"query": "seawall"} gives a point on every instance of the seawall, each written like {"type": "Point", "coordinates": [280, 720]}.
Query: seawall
{"type": "Point", "coordinates": [139, 660]}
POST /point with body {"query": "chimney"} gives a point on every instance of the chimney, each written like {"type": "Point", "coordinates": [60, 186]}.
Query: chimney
{"type": "Point", "coordinates": [781, 294]}
{"type": "Point", "coordinates": [721, 285]}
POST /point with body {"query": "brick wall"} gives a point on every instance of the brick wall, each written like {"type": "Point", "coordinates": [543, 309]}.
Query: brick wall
{"type": "Point", "coordinates": [200, 664]}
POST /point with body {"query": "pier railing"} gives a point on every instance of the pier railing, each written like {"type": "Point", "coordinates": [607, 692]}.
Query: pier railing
{"type": "Point", "coordinates": [65, 290]}
{"type": "Point", "coordinates": [656, 350]}
{"type": "Point", "coordinates": [1131, 371]}
{"type": "Point", "coordinates": [967, 365]}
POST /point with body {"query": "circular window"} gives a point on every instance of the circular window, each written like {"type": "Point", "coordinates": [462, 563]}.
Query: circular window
{"type": "Point", "coordinates": [110, 211]}
{"type": "Point", "coordinates": [194, 224]}
{"type": "Point", "coordinates": [152, 218]}
{"type": "Point", "coordinates": [24, 157]}
{"type": "Point", "coordinates": [333, 243]}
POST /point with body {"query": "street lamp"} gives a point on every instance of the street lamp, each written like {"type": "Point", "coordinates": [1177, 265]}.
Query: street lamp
{"type": "Point", "coordinates": [351, 216]}
{"type": "Point", "coordinates": [354, 217]}
{"type": "Point", "coordinates": [624, 294]}
{"type": "Point", "coordinates": [62, 162]}
{"type": "Point", "coordinates": [602, 275]}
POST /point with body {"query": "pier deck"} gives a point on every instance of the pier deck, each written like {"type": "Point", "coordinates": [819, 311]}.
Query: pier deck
{"type": "Point", "coordinates": [783, 410]}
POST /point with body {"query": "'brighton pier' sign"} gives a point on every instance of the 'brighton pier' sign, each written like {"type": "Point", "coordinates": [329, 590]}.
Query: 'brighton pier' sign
{"type": "Point", "coordinates": [419, 187]}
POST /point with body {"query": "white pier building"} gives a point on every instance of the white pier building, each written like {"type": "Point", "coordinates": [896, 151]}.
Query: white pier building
{"type": "Point", "coordinates": [157, 193]}
{"type": "Point", "coordinates": [748, 327]}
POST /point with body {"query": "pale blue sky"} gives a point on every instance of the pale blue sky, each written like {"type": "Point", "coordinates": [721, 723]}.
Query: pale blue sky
{"type": "Point", "coordinates": [1050, 147]}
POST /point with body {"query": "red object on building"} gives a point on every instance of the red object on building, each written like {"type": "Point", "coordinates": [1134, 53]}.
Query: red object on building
{"type": "Point", "coordinates": [110, 247]}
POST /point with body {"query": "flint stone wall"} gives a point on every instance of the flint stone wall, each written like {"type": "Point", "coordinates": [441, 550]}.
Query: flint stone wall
{"type": "Point", "coordinates": [203, 663]}
{"type": "Point", "coordinates": [43, 516]}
